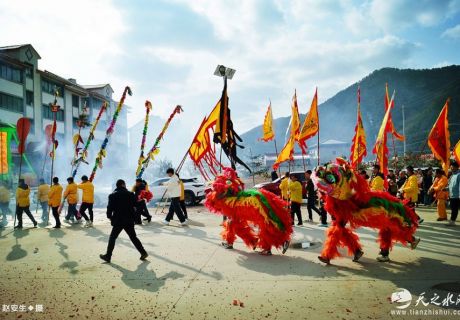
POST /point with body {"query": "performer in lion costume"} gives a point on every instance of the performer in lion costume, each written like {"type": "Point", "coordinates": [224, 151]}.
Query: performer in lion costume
{"type": "Point", "coordinates": [258, 217]}
{"type": "Point", "coordinates": [349, 200]}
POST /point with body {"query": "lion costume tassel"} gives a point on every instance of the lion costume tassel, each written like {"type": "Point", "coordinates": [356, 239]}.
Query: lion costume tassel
{"type": "Point", "coordinates": [349, 200]}
{"type": "Point", "coordinates": [258, 217]}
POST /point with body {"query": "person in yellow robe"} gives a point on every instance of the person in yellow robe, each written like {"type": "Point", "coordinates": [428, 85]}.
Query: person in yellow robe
{"type": "Point", "coordinates": [42, 197]}
{"type": "Point", "coordinates": [295, 195]}
{"type": "Point", "coordinates": [23, 203]}
{"type": "Point", "coordinates": [284, 186]}
{"type": "Point", "coordinates": [54, 200]}
{"type": "Point", "coordinates": [376, 182]}
{"type": "Point", "coordinates": [440, 193]}
{"type": "Point", "coordinates": [410, 190]}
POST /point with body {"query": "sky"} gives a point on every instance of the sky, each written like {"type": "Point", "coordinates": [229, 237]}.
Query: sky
{"type": "Point", "coordinates": [167, 50]}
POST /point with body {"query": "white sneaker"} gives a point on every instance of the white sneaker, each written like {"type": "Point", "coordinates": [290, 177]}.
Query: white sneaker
{"type": "Point", "coordinates": [382, 258]}
{"type": "Point", "coordinates": [450, 223]}
{"type": "Point", "coordinates": [185, 223]}
{"type": "Point", "coordinates": [66, 221]}
{"type": "Point", "coordinates": [88, 224]}
{"type": "Point", "coordinates": [166, 223]}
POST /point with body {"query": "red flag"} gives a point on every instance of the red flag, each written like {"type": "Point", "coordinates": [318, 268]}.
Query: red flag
{"type": "Point", "coordinates": [358, 146]}
{"type": "Point", "coordinates": [439, 138]}
{"type": "Point", "coordinates": [391, 127]}
{"type": "Point", "coordinates": [22, 129]}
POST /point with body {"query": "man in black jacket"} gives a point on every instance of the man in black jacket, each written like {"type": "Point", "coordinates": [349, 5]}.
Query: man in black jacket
{"type": "Point", "coordinates": [311, 200]}
{"type": "Point", "coordinates": [121, 213]}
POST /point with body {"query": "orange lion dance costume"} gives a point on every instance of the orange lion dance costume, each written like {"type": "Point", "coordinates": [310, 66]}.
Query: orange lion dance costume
{"type": "Point", "coordinates": [349, 200]}
{"type": "Point", "coordinates": [258, 217]}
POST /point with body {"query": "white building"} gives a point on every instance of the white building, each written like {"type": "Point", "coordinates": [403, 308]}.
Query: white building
{"type": "Point", "coordinates": [26, 91]}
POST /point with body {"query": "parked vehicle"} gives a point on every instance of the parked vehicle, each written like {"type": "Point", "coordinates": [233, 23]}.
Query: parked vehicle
{"type": "Point", "coordinates": [274, 186]}
{"type": "Point", "coordinates": [193, 190]}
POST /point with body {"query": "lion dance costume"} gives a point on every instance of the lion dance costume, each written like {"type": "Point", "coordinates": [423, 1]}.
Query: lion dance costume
{"type": "Point", "coordinates": [349, 200]}
{"type": "Point", "coordinates": [258, 217]}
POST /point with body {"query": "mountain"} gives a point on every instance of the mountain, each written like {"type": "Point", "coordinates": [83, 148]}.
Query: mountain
{"type": "Point", "coordinates": [421, 92]}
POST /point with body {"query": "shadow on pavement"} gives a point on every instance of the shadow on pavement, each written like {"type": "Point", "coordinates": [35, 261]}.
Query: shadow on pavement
{"type": "Point", "coordinates": [143, 278]}
{"type": "Point", "coordinates": [17, 252]}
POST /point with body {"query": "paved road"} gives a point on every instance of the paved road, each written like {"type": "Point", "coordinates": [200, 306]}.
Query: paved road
{"type": "Point", "coordinates": [190, 276]}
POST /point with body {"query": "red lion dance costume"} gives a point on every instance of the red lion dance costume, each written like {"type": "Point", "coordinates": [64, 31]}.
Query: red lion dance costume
{"type": "Point", "coordinates": [349, 200]}
{"type": "Point", "coordinates": [258, 217]}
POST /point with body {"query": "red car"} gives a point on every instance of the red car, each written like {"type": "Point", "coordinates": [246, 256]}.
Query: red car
{"type": "Point", "coordinates": [274, 186]}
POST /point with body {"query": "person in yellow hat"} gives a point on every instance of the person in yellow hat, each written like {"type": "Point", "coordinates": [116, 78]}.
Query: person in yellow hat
{"type": "Point", "coordinates": [54, 200]}
{"type": "Point", "coordinates": [4, 202]}
{"type": "Point", "coordinates": [87, 200]}
{"type": "Point", "coordinates": [42, 197]}
{"type": "Point", "coordinates": [23, 203]}
{"type": "Point", "coordinates": [71, 194]}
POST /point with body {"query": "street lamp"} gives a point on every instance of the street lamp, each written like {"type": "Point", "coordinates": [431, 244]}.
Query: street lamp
{"type": "Point", "coordinates": [223, 71]}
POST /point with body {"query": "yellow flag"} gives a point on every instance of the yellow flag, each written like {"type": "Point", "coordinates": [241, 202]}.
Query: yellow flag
{"type": "Point", "coordinates": [310, 125]}
{"type": "Point", "coordinates": [267, 127]}
{"type": "Point", "coordinates": [285, 154]}
{"type": "Point", "coordinates": [202, 142]}
{"type": "Point", "coordinates": [457, 152]}
{"type": "Point", "coordinates": [295, 119]}
{"type": "Point", "coordinates": [288, 150]}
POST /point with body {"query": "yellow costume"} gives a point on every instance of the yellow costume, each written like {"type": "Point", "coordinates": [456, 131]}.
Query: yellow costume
{"type": "Point", "coordinates": [410, 189]}
{"type": "Point", "coordinates": [295, 191]}
{"type": "Point", "coordinates": [43, 191]}
{"type": "Point", "coordinates": [55, 195]}
{"type": "Point", "coordinates": [88, 191]}
{"type": "Point", "coordinates": [22, 197]}
{"type": "Point", "coordinates": [377, 184]}
{"type": "Point", "coordinates": [71, 193]}
{"type": "Point", "coordinates": [441, 195]}
{"type": "Point", "coordinates": [284, 186]}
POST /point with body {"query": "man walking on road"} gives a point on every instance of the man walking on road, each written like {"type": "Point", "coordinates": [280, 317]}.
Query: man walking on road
{"type": "Point", "coordinates": [173, 191]}
{"type": "Point", "coordinates": [87, 200]}
{"type": "Point", "coordinates": [121, 213]}
{"type": "Point", "coordinates": [42, 197]}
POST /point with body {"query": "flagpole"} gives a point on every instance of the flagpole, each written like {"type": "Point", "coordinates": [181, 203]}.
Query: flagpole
{"type": "Point", "coordinates": [318, 148]}
{"type": "Point", "coordinates": [276, 151]}
{"type": "Point", "coordinates": [404, 130]}
{"type": "Point", "coordinates": [19, 175]}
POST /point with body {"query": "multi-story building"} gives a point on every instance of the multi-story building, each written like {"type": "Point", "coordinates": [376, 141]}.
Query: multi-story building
{"type": "Point", "coordinates": [27, 91]}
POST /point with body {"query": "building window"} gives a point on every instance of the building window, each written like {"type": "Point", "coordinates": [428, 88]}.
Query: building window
{"type": "Point", "coordinates": [48, 114]}
{"type": "Point", "coordinates": [75, 100]}
{"type": "Point", "coordinates": [28, 72]}
{"type": "Point", "coordinates": [97, 103]}
{"type": "Point", "coordinates": [29, 98]}
{"type": "Point", "coordinates": [10, 73]}
{"type": "Point", "coordinates": [11, 103]}
{"type": "Point", "coordinates": [49, 87]}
